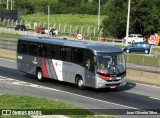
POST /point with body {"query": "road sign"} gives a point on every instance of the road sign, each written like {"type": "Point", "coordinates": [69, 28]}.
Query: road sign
{"type": "Point", "coordinates": [152, 38]}
{"type": "Point", "coordinates": [79, 36]}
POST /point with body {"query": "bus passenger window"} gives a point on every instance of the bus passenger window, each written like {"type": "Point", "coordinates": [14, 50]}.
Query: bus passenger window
{"type": "Point", "coordinates": [32, 49]}
{"type": "Point", "coordinates": [53, 54]}
{"type": "Point", "coordinates": [23, 48]}
{"type": "Point", "coordinates": [65, 54]}
{"type": "Point", "coordinates": [42, 50]}
{"type": "Point", "coordinates": [77, 56]}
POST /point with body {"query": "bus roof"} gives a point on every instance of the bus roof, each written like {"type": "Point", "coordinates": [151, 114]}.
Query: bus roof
{"type": "Point", "coordinates": [95, 47]}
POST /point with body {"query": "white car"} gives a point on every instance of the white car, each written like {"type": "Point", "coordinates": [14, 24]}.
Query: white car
{"type": "Point", "coordinates": [132, 38]}
{"type": "Point", "coordinates": [46, 31]}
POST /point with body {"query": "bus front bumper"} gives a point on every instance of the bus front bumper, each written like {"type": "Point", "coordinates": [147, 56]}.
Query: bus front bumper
{"type": "Point", "coordinates": [100, 83]}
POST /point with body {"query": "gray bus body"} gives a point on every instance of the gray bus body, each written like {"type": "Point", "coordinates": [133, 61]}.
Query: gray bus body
{"type": "Point", "coordinates": [67, 60]}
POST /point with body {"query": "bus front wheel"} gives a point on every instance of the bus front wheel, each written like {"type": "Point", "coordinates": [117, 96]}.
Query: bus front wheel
{"type": "Point", "coordinates": [79, 82]}
{"type": "Point", "coordinates": [39, 75]}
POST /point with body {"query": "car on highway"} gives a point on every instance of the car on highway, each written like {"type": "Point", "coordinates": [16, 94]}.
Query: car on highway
{"type": "Point", "coordinates": [40, 30]}
{"type": "Point", "coordinates": [21, 27]}
{"type": "Point", "coordinates": [132, 38]}
{"type": "Point", "coordinates": [138, 47]}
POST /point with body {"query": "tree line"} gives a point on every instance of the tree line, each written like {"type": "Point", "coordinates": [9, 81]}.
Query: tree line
{"type": "Point", "coordinates": [144, 14]}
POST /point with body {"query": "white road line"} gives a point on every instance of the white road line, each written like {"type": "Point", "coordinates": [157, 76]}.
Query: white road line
{"type": "Point", "coordinates": [154, 86]}
{"type": "Point", "coordinates": [154, 98]}
{"type": "Point", "coordinates": [34, 85]}
{"type": "Point", "coordinates": [8, 60]}
{"type": "Point", "coordinates": [98, 100]}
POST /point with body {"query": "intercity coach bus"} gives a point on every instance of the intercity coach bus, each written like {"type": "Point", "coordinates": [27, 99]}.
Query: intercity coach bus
{"type": "Point", "coordinates": [84, 64]}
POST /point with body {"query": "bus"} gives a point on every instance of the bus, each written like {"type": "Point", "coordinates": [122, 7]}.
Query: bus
{"type": "Point", "coordinates": [84, 64]}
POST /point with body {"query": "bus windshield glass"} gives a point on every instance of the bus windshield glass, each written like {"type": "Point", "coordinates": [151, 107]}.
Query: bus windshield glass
{"type": "Point", "coordinates": [111, 64]}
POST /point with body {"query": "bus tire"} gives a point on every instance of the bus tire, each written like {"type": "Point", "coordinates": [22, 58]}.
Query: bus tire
{"type": "Point", "coordinates": [39, 75]}
{"type": "Point", "coordinates": [79, 82]}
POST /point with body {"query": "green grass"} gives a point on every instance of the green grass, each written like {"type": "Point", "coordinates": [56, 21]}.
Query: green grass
{"type": "Point", "coordinates": [76, 22]}
{"type": "Point", "coordinates": [65, 19]}
{"type": "Point", "coordinates": [26, 102]}
{"type": "Point", "coordinates": [18, 102]}
{"type": "Point", "coordinates": [146, 60]}
{"type": "Point", "coordinates": [156, 49]}
{"type": "Point", "coordinates": [9, 35]}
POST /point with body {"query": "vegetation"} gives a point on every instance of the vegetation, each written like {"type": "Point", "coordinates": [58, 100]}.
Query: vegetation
{"type": "Point", "coordinates": [143, 60]}
{"type": "Point", "coordinates": [64, 19]}
{"type": "Point", "coordinates": [9, 35]}
{"type": "Point", "coordinates": [144, 16]}
{"type": "Point", "coordinates": [46, 106]}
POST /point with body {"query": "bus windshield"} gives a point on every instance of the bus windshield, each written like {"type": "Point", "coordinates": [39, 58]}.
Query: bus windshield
{"type": "Point", "coordinates": [110, 64]}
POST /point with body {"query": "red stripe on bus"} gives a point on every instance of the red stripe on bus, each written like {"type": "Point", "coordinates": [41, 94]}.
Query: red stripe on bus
{"type": "Point", "coordinates": [44, 68]}
{"type": "Point", "coordinates": [105, 78]}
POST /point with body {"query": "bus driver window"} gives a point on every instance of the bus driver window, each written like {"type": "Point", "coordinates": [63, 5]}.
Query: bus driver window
{"type": "Point", "coordinates": [88, 64]}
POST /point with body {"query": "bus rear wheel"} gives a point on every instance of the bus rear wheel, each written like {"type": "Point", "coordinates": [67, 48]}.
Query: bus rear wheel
{"type": "Point", "coordinates": [39, 75]}
{"type": "Point", "coordinates": [79, 82]}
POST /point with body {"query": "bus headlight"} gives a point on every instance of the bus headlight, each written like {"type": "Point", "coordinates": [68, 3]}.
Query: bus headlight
{"type": "Point", "coordinates": [99, 79]}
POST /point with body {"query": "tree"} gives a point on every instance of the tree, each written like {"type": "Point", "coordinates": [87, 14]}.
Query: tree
{"type": "Point", "coordinates": [25, 6]}
{"type": "Point", "coordinates": [144, 17]}
{"type": "Point", "coordinates": [115, 22]}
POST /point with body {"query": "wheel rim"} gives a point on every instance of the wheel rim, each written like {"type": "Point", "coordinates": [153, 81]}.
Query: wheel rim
{"type": "Point", "coordinates": [146, 51]}
{"type": "Point", "coordinates": [80, 83]}
{"type": "Point", "coordinates": [39, 75]}
{"type": "Point", "coordinates": [127, 51]}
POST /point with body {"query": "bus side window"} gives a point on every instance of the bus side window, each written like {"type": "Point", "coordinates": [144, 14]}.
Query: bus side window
{"type": "Point", "coordinates": [32, 49]}
{"type": "Point", "coordinates": [42, 50]}
{"type": "Point", "coordinates": [22, 47]}
{"type": "Point", "coordinates": [77, 56]}
{"type": "Point", "coordinates": [65, 54]}
{"type": "Point", "coordinates": [53, 54]}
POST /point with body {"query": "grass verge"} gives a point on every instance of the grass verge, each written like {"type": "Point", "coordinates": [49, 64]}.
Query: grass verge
{"type": "Point", "coordinates": [9, 35]}
{"type": "Point", "coordinates": [47, 107]}
{"type": "Point", "coordinates": [145, 60]}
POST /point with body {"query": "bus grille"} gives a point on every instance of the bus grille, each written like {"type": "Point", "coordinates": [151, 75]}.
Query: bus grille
{"type": "Point", "coordinates": [113, 84]}
{"type": "Point", "coordinates": [112, 80]}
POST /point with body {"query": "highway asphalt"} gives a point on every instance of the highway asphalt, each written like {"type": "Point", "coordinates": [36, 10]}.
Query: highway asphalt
{"type": "Point", "coordinates": [132, 96]}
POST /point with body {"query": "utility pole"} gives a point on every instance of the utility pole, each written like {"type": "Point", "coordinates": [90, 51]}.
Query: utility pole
{"type": "Point", "coordinates": [48, 18]}
{"type": "Point", "coordinates": [99, 15]}
{"type": "Point", "coordinates": [128, 17]}
{"type": "Point", "coordinates": [11, 4]}
{"type": "Point", "coordinates": [7, 5]}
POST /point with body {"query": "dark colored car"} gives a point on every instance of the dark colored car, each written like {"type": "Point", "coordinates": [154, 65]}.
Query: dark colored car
{"type": "Point", "coordinates": [21, 27]}
{"type": "Point", "coordinates": [138, 47]}
{"type": "Point", "coordinates": [40, 30]}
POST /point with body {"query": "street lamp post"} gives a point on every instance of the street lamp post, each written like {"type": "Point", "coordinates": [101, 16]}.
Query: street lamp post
{"type": "Point", "coordinates": [128, 17]}
{"type": "Point", "coordinates": [48, 18]}
{"type": "Point", "coordinates": [99, 15]}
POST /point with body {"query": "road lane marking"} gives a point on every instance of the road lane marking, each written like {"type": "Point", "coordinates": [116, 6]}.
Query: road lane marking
{"type": "Point", "coordinates": [154, 98]}
{"type": "Point", "coordinates": [21, 83]}
{"type": "Point", "coordinates": [153, 86]}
